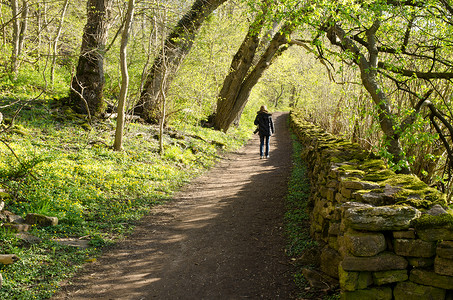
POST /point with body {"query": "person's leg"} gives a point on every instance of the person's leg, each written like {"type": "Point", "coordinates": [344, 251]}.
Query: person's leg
{"type": "Point", "coordinates": [261, 146]}
{"type": "Point", "coordinates": [267, 145]}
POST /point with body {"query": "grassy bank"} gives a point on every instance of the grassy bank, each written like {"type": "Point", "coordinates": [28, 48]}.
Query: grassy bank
{"type": "Point", "coordinates": [66, 168]}
{"type": "Point", "coordinates": [301, 248]}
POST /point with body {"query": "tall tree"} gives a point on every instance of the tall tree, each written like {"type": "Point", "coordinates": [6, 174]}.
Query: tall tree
{"type": "Point", "coordinates": [368, 73]}
{"type": "Point", "coordinates": [244, 74]}
{"type": "Point", "coordinates": [176, 47]}
{"type": "Point", "coordinates": [118, 144]}
{"type": "Point", "coordinates": [393, 42]}
{"type": "Point", "coordinates": [20, 21]}
{"type": "Point", "coordinates": [86, 94]}
{"type": "Point", "coordinates": [56, 39]}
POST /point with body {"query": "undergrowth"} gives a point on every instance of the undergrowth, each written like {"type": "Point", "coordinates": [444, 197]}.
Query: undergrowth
{"type": "Point", "coordinates": [70, 171]}
{"type": "Point", "coordinates": [297, 218]}
{"type": "Point", "coordinates": [298, 225]}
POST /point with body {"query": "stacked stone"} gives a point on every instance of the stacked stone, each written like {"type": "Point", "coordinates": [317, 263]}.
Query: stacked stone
{"type": "Point", "coordinates": [372, 243]}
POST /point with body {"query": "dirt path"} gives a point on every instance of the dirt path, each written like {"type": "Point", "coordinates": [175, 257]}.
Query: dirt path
{"type": "Point", "coordinates": [221, 238]}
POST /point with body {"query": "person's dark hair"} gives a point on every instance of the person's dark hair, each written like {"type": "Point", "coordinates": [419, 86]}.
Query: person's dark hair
{"type": "Point", "coordinates": [263, 108]}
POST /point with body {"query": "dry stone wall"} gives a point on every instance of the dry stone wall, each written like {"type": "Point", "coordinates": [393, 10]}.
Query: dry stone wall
{"type": "Point", "coordinates": [384, 236]}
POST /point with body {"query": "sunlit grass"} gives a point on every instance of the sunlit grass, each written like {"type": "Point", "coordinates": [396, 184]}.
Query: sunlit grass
{"type": "Point", "coordinates": [97, 194]}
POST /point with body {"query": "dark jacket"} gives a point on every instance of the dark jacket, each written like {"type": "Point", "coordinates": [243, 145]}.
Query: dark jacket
{"type": "Point", "coordinates": [265, 124]}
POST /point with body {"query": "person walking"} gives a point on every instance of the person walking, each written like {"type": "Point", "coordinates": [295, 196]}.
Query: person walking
{"type": "Point", "coordinates": [265, 128]}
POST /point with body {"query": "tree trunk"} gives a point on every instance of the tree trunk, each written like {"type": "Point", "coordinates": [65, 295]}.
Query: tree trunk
{"type": "Point", "coordinates": [55, 41]}
{"type": "Point", "coordinates": [368, 73]}
{"type": "Point", "coordinates": [279, 95]}
{"type": "Point", "coordinates": [163, 96]}
{"type": "Point", "coordinates": [23, 27]}
{"type": "Point", "coordinates": [19, 30]}
{"type": "Point", "coordinates": [176, 47]}
{"type": "Point", "coordinates": [237, 85]}
{"type": "Point", "coordinates": [292, 97]}
{"type": "Point", "coordinates": [87, 86]}
{"type": "Point", "coordinates": [118, 144]}
{"type": "Point", "coordinates": [16, 29]}
{"type": "Point", "coordinates": [240, 66]}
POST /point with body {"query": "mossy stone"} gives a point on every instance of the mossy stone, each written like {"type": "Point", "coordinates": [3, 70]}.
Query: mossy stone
{"type": "Point", "coordinates": [351, 281]}
{"type": "Point", "coordinates": [436, 234]}
{"type": "Point", "coordinates": [414, 248]}
{"type": "Point", "coordinates": [434, 228]}
{"type": "Point", "coordinates": [394, 217]}
{"type": "Point", "coordinates": [411, 291]}
{"type": "Point", "coordinates": [429, 221]}
{"type": "Point", "coordinates": [415, 192]}
{"type": "Point", "coordinates": [373, 164]}
{"type": "Point", "coordinates": [443, 266]}
{"type": "Point", "coordinates": [384, 261]}
{"type": "Point", "coordinates": [364, 244]}
{"type": "Point", "coordinates": [386, 277]}
{"type": "Point", "coordinates": [445, 249]}
{"type": "Point", "coordinates": [406, 234]}
{"type": "Point", "coordinates": [426, 277]}
{"type": "Point", "coordinates": [379, 175]}
{"type": "Point", "coordinates": [380, 293]}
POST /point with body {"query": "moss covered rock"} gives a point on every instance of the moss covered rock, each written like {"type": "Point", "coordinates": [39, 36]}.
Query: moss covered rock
{"type": "Point", "coordinates": [394, 217]}
{"type": "Point", "coordinates": [445, 249]}
{"type": "Point", "coordinates": [434, 228]}
{"type": "Point", "coordinates": [427, 277]}
{"type": "Point", "coordinates": [414, 248]}
{"type": "Point", "coordinates": [386, 277]}
{"type": "Point", "coordinates": [382, 262]}
{"type": "Point", "coordinates": [379, 293]}
{"type": "Point", "coordinates": [443, 266]}
{"type": "Point", "coordinates": [351, 281]}
{"type": "Point", "coordinates": [412, 291]}
{"type": "Point", "coordinates": [364, 244]}
{"type": "Point", "coordinates": [41, 220]}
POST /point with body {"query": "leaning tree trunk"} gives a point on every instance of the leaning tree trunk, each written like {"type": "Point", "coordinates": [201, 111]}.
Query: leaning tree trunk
{"type": "Point", "coordinates": [87, 85]}
{"type": "Point", "coordinates": [176, 47]}
{"type": "Point", "coordinates": [368, 73]}
{"type": "Point", "coordinates": [238, 85]}
{"type": "Point", "coordinates": [240, 66]}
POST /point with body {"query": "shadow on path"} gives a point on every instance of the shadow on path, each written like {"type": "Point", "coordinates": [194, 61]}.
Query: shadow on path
{"type": "Point", "coordinates": [220, 238]}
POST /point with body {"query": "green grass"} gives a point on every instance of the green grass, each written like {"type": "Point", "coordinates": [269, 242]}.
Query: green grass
{"type": "Point", "coordinates": [297, 217]}
{"type": "Point", "coordinates": [98, 194]}
{"type": "Point", "coordinates": [298, 224]}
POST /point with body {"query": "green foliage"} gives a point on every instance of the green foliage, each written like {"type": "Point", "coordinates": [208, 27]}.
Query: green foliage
{"type": "Point", "coordinates": [296, 217]}
{"type": "Point", "coordinates": [429, 221]}
{"type": "Point", "coordinates": [14, 170]}
{"type": "Point", "coordinates": [296, 79]}
{"type": "Point", "coordinates": [96, 193]}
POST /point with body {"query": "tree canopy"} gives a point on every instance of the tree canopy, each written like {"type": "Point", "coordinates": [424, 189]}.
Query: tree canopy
{"type": "Point", "coordinates": [377, 72]}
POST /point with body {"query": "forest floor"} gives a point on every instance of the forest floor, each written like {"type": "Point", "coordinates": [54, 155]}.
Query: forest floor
{"type": "Point", "coordinates": [221, 237]}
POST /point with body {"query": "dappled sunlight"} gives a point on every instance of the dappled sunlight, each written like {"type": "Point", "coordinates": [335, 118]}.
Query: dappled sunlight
{"type": "Point", "coordinates": [213, 238]}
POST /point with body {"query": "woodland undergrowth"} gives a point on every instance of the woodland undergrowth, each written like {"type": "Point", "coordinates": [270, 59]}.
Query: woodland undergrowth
{"type": "Point", "coordinates": [66, 168]}
{"type": "Point", "coordinates": [297, 221]}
